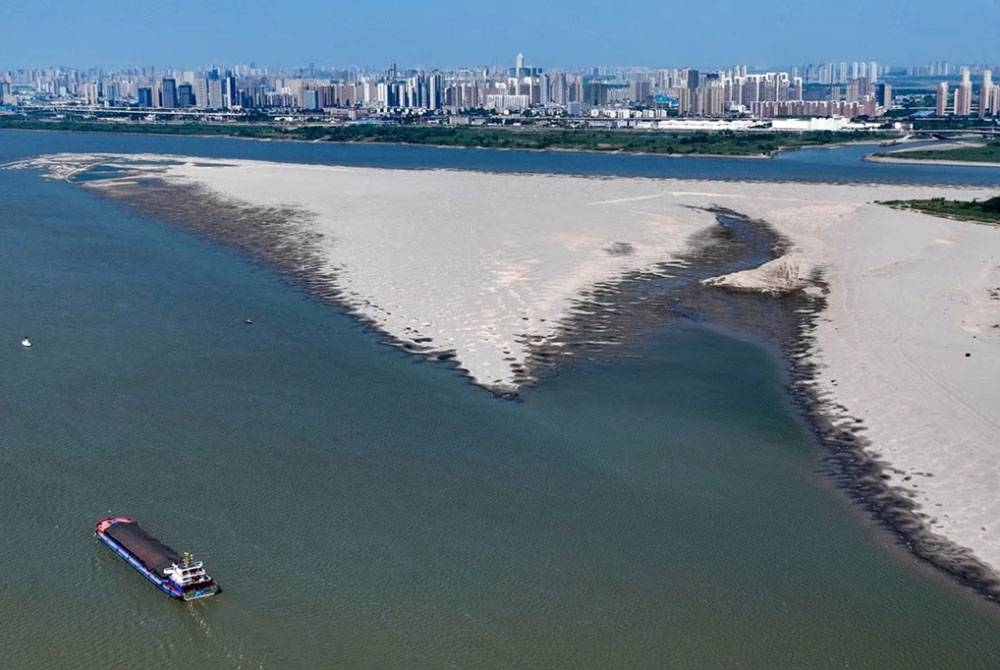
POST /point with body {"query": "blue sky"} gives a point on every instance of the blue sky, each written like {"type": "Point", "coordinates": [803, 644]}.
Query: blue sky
{"type": "Point", "coordinates": [449, 32]}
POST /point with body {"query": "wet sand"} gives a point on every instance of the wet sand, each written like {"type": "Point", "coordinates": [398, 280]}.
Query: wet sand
{"type": "Point", "coordinates": [505, 275]}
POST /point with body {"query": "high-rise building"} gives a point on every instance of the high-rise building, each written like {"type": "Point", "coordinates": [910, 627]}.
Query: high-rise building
{"type": "Point", "coordinates": [145, 95]}
{"type": "Point", "coordinates": [185, 95]}
{"type": "Point", "coordinates": [963, 95]}
{"type": "Point", "coordinates": [852, 94]}
{"type": "Point", "coordinates": [168, 93]}
{"type": "Point", "coordinates": [230, 96]}
{"type": "Point", "coordinates": [214, 98]}
{"type": "Point", "coordinates": [201, 92]}
{"type": "Point", "coordinates": [545, 89]}
{"type": "Point", "coordinates": [310, 100]}
{"type": "Point", "coordinates": [435, 90]}
{"type": "Point", "coordinates": [208, 91]}
{"type": "Point", "coordinates": [939, 68]}
{"type": "Point", "coordinates": [942, 98]}
{"type": "Point", "coordinates": [560, 88]}
{"type": "Point", "coordinates": [873, 71]}
{"type": "Point", "coordinates": [90, 92]}
{"type": "Point", "coordinates": [985, 93]}
{"type": "Point", "coordinates": [883, 95]}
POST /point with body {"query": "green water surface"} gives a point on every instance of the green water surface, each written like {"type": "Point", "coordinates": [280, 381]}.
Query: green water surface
{"type": "Point", "coordinates": [365, 510]}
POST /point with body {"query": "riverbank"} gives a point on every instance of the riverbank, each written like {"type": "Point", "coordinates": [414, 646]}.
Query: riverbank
{"type": "Point", "coordinates": [875, 158]}
{"type": "Point", "coordinates": [486, 270]}
{"type": "Point", "coordinates": [977, 211]}
{"type": "Point", "coordinates": [753, 144]}
{"type": "Point", "coordinates": [963, 154]}
{"type": "Point", "coordinates": [900, 397]}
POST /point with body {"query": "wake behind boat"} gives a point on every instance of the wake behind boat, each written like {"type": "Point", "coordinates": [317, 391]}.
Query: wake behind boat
{"type": "Point", "coordinates": [179, 576]}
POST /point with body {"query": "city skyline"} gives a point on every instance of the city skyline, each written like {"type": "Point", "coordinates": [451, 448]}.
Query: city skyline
{"type": "Point", "coordinates": [445, 34]}
{"type": "Point", "coordinates": [843, 89]}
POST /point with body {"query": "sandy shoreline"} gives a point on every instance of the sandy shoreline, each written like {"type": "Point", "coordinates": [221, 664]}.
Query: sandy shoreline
{"type": "Point", "coordinates": [765, 156]}
{"type": "Point", "coordinates": [483, 268]}
{"type": "Point", "coordinates": [929, 161]}
{"type": "Point", "coordinates": [898, 156]}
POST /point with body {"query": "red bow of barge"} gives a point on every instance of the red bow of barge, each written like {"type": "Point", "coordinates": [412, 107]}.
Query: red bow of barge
{"type": "Point", "coordinates": [177, 575]}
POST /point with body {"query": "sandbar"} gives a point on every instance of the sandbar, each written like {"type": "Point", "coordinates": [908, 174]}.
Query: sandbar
{"type": "Point", "coordinates": [479, 266]}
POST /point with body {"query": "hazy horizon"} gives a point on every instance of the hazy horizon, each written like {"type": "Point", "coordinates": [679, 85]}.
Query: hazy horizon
{"type": "Point", "coordinates": [769, 34]}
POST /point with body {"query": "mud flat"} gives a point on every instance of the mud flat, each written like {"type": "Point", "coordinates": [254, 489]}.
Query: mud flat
{"type": "Point", "coordinates": [895, 348]}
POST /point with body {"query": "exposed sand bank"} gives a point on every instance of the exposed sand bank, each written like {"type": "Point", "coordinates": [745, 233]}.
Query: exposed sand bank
{"type": "Point", "coordinates": [484, 265]}
{"type": "Point", "coordinates": [901, 158]}
{"type": "Point", "coordinates": [899, 155]}
{"type": "Point", "coordinates": [944, 146]}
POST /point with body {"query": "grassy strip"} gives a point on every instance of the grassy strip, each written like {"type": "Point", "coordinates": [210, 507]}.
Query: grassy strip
{"type": "Point", "coordinates": [985, 211]}
{"type": "Point", "coordinates": [726, 143]}
{"type": "Point", "coordinates": [990, 153]}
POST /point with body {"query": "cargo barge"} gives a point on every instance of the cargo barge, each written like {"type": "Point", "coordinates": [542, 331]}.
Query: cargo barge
{"type": "Point", "coordinates": [177, 575]}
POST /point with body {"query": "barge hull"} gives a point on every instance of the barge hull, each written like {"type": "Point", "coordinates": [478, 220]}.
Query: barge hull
{"type": "Point", "coordinates": [127, 556]}
{"type": "Point", "coordinates": [148, 556]}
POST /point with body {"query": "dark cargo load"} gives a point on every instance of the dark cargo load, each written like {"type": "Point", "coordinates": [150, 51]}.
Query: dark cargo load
{"type": "Point", "coordinates": [152, 553]}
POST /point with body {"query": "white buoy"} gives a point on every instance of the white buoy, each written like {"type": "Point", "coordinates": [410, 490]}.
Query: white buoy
{"type": "Point", "coordinates": [25, 342]}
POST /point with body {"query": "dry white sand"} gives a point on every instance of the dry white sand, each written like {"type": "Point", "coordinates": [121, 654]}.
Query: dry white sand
{"type": "Point", "coordinates": [480, 263]}
{"type": "Point", "coordinates": [467, 262]}
{"type": "Point", "coordinates": [942, 146]}
{"type": "Point", "coordinates": [900, 157]}
{"type": "Point", "coordinates": [909, 296]}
